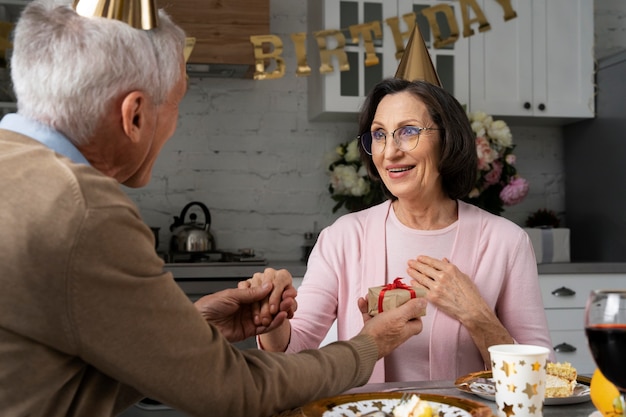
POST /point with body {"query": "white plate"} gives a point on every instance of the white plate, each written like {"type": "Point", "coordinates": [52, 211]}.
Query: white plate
{"type": "Point", "coordinates": [354, 405]}
{"type": "Point", "coordinates": [481, 384]}
{"type": "Point", "coordinates": [357, 408]}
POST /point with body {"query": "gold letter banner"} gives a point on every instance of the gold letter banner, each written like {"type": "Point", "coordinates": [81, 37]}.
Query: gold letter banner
{"type": "Point", "coordinates": [368, 32]}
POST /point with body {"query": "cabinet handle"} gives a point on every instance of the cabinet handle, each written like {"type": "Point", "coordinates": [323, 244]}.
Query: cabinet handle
{"type": "Point", "coordinates": [541, 107]}
{"type": "Point", "coordinates": [527, 105]}
{"type": "Point", "coordinates": [564, 348]}
{"type": "Point", "coordinates": [563, 292]}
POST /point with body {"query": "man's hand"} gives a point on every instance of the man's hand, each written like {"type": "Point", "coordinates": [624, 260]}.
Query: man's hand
{"type": "Point", "coordinates": [392, 328]}
{"type": "Point", "coordinates": [233, 311]}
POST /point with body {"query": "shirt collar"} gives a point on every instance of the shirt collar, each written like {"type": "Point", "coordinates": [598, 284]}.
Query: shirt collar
{"type": "Point", "coordinates": [49, 137]}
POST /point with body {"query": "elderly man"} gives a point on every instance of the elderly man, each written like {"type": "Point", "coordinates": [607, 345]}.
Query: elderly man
{"type": "Point", "coordinates": [89, 321]}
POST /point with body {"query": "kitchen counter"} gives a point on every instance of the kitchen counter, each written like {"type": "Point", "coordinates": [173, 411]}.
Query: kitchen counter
{"type": "Point", "coordinates": [298, 268]}
{"type": "Point", "coordinates": [582, 268]}
{"type": "Point", "coordinates": [235, 271]}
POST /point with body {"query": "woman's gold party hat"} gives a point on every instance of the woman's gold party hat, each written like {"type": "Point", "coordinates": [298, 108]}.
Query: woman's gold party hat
{"type": "Point", "coordinates": [416, 63]}
{"type": "Point", "coordinates": [140, 14]}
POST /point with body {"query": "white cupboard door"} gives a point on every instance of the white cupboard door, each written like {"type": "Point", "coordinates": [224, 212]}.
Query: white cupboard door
{"type": "Point", "coordinates": [563, 58]}
{"type": "Point", "coordinates": [538, 64]}
{"type": "Point", "coordinates": [501, 68]}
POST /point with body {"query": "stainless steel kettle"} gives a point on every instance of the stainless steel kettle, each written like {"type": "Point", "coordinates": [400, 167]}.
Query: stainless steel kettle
{"type": "Point", "coordinates": [192, 236]}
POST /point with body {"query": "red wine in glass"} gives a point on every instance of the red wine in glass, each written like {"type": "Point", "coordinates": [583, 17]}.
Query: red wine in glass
{"type": "Point", "coordinates": [605, 327]}
{"type": "Point", "coordinates": [608, 347]}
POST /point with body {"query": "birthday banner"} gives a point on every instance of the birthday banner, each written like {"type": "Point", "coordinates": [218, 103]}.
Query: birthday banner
{"type": "Point", "coordinates": [367, 32]}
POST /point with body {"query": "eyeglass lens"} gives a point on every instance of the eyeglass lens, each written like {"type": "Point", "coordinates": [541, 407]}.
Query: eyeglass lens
{"type": "Point", "coordinates": [404, 138]}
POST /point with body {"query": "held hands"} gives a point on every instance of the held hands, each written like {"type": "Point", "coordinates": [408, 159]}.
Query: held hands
{"type": "Point", "coordinates": [392, 328]}
{"type": "Point", "coordinates": [234, 311]}
{"type": "Point", "coordinates": [281, 299]}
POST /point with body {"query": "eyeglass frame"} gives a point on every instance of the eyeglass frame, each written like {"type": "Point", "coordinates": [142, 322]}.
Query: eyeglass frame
{"type": "Point", "coordinates": [396, 141]}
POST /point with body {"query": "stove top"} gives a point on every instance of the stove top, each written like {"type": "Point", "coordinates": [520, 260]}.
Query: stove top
{"type": "Point", "coordinates": [217, 258]}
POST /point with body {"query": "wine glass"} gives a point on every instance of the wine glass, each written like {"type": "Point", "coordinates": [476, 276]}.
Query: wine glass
{"type": "Point", "coordinates": [605, 327]}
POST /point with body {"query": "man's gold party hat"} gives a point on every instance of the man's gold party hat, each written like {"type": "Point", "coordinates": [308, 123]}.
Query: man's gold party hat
{"type": "Point", "coordinates": [140, 14]}
{"type": "Point", "coordinates": [416, 63]}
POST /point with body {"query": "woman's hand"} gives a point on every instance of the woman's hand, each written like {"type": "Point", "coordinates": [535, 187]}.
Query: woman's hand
{"type": "Point", "coordinates": [455, 294]}
{"type": "Point", "coordinates": [449, 289]}
{"type": "Point", "coordinates": [281, 299]}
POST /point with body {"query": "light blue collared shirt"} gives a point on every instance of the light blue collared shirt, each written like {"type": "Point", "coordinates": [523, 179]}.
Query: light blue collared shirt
{"type": "Point", "coordinates": [42, 133]}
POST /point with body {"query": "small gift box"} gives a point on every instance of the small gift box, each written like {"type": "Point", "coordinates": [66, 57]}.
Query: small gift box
{"type": "Point", "coordinates": [551, 245]}
{"type": "Point", "coordinates": [390, 296]}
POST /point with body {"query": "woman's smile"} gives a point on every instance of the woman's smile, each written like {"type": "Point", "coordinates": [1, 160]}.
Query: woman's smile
{"type": "Point", "coordinates": [399, 171]}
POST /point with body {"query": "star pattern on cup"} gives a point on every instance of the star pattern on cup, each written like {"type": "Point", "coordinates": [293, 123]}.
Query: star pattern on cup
{"type": "Point", "coordinates": [508, 409]}
{"type": "Point", "coordinates": [536, 366]}
{"type": "Point", "coordinates": [508, 368]}
{"type": "Point", "coordinates": [511, 387]}
{"type": "Point", "coordinates": [532, 409]}
{"type": "Point", "coordinates": [530, 390]}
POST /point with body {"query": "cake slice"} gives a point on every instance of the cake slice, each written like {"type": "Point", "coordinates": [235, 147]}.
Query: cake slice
{"type": "Point", "coordinates": [414, 407]}
{"type": "Point", "coordinates": [560, 379]}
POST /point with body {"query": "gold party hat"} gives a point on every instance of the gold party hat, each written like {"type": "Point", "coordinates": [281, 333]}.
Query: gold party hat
{"type": "Point", "coordinates": [416, 63]}
{"type": "Point", "coordinates": [189, 45]}
{"type": "Point", "coordinates": [140, 14]}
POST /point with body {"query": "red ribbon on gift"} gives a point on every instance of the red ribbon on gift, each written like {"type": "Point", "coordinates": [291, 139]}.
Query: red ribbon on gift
{"type": "Point", "coordinates": [396, 284]}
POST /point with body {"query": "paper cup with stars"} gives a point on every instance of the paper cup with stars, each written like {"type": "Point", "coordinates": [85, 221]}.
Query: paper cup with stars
{"type": "Point", "coordinates": [519, 374]}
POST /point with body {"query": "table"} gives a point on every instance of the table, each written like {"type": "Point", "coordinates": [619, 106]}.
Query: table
{"type": "Point", "coordinates": [448, 388]}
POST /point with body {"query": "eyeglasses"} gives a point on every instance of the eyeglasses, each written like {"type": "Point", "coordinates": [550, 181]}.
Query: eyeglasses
{"type": "Point", "coordinates": [407, 139]}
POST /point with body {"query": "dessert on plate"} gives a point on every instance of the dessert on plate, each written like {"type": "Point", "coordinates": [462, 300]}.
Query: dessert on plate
{"type": "Point", "coordinates": [414, 407]}
{"type": "Point", "coordinates": [560, 379]}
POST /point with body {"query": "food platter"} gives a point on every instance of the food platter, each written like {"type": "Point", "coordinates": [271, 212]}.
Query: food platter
{"type": "Point", "coordinates": [482, 385]}
{"type": "Point", "coordinates": [354, 405]}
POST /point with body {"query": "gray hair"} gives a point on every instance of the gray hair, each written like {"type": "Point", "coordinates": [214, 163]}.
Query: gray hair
{"type": "Point", "coordinates": [67, 69]}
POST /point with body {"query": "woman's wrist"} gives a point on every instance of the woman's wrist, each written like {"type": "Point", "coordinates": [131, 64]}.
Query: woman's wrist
{"type": "Point", "coordinates": [277, 340]}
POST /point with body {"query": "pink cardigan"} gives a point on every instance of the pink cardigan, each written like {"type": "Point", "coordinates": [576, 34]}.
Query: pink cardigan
{"type": "Point", "coordinates": [348, 258]}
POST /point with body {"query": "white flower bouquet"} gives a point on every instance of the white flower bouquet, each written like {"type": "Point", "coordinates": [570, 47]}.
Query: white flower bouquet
{"type": "Point", "coordinates": [350, 185]}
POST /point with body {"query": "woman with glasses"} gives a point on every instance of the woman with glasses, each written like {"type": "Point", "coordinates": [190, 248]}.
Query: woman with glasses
{"type": "Point", "coordinates": [479, 270]}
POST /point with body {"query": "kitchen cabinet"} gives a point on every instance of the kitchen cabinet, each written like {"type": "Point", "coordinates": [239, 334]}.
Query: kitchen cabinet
{"type": "Point", "coordinates": [540, 64]}
{"type": "Point", "coordinates": [564, 297]}
{"type": "Point", "coordinates": [338, 95]}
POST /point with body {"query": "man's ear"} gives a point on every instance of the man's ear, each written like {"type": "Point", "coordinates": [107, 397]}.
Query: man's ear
{"type": "Point", "coordinates": [134, 108]}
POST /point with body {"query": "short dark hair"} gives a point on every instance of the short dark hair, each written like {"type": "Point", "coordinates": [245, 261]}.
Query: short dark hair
{"type": "Point", "coordinates": [459, 161]}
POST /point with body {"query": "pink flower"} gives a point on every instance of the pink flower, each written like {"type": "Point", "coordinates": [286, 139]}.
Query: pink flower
{"type": "Point", "coordinates": [493, 176]}
{"type": "Point", "coordinates": [486, 155]}
{"type": "Point", "coordinates": [514, 192]}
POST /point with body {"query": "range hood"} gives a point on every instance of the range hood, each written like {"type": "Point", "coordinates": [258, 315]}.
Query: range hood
{"type": "Point", "coordinates": [219, 70]}
{"type": "Point", "coordinates": [222, 29]}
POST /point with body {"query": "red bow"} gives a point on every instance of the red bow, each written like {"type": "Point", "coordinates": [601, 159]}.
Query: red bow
{"type": "Point", "coordinates": [396, 284]}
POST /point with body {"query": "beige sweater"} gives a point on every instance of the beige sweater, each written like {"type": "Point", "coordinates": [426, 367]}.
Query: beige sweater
{"type": "Point", "coordinates": [89, 319]}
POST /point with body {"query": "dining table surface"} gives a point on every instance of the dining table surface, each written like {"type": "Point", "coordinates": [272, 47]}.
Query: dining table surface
{"type": "Point", "coordinates": [448, 388]}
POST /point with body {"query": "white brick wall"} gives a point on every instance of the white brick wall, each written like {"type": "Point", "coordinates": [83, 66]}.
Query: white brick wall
{"type": "Point", "coordinates": [247, 150]}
